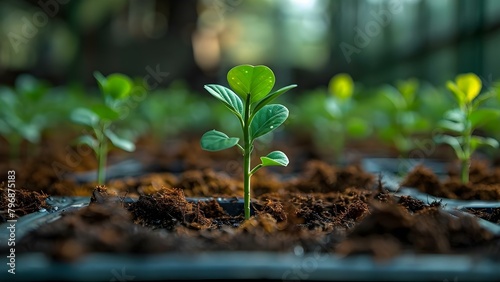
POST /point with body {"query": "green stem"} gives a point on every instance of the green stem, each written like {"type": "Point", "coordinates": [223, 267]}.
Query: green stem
{"type": "Point", "coordinates": [103, 148]}
{"type": "Point", "coordinates": [464, 172]}
{"type": "Point", "coordinates": [465, 162]}
{"type": "Point", "coordinates": [247, 158]}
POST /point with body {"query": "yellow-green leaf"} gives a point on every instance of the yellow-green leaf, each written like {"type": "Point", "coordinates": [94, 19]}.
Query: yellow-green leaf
{"type": "Point", "coordinates": [470, 84]}
{"type": "Point", "coordinates": [341, 86]}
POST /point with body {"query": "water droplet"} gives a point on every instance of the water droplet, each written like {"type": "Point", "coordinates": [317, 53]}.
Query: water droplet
{"type": "Point", "coordinates": [272, 126]}
{"type": "Point", "coordinates": [42, 210]}
{"type": "Point", "coordinates": [56, 208]}
{"type": "Point", "coordinates": [298, 251]}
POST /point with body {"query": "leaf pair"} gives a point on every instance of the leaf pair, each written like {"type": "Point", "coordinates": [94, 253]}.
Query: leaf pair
{"type": "Point", "coordinates": [118, 142]}
{"type": "Point", "coordinates": [457, 144]}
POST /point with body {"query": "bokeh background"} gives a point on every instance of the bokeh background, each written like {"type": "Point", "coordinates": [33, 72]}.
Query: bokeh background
{"type": "Point", "coordinates": [392, 49]}
{"type": "Point", "coordinates": [304, 41]}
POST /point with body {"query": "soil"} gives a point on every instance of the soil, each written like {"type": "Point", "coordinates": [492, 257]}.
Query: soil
{"type": "Point", "coordinates": [25, 202]}
{"type": "Point", "coordinates": [310, 205]}
{"type": "Point", "coordinates": [492, 214]}
{"type": "Point", "coordinates": [484, 183]}
{"type": "Point", "coordinates": [346, 221]}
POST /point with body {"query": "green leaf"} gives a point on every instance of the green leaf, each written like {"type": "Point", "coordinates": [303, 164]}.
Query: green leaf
{"type": "Point", "coordinates": [228, 97]}
{"type": "Point", "coordinates": [452, 126]}
{"type": "Point", "coordinates": [267, 120]}
{"type": "Point", "coordinates": [454, 142]}
{"type": "Point", "coordinates": [104, 112]}
{"type": "Point", "coordinates": [482, 98]}
{"type": "Point", "coordinates": [254, 80]}
{"type": "Point", "coordinates": [482, 116]}
{"type": "Point", "coordinates": [101, 79]}
{"type": "Point", "coordinates": [358, 127]}
{"type": "Point", "coordinates": [89, 141]}
{"type": "Point", "coordinates": [269, 98]}
{"type": "Point", "coordinates": [408, 89]}
{"type": "Point", "coordinates": [456, 115]}
{"type": "Point", "coordinates": [30, 132]}
{"type": "Point", "coordinates": [214, 140]}
{"type": "Point", "coordinates": [457, 93]}
{"type": "Point", "coordinates": [341, 86]}
{"type": "Point", "coordinates": [396, 99]}
{"type": "Point", "coordinates": [477, 141]}
{"type": "Point", "coordinates": [121, 143]}
{"type": "Point", "coordinates": [84, 116]}
{"type": "Point", "coordinates": [8, 99]}
{"type": "Point", "coordinates": [470, 84]}
{"type": "Point", "coordinates": [117, 86]}
{"type": "Point", "coordinates": [275, 158]}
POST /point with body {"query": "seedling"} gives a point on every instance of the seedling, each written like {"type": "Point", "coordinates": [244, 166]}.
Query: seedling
{"type": "Point", "coordinates": [467, 117]}
{"type": "Point", "coordinates": [116, 89]}
{"type": "Point", "coordinates": [24, 113]}
{"type": "Point", "coordinates": [339, 105]}
{"type": "Point", "coordinates": [249, 100]}
{"type": "Point", "coordinates": [404, 119]}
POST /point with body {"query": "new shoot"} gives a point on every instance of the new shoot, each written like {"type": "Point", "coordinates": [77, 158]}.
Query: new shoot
{"type": "Point", "coordinates": [249, 100]}
{"type": "Point", "coordinates": [462, 121]}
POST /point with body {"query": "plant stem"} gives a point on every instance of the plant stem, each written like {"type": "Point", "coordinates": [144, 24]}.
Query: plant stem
{"type": "Point", "coordinates": [103, 148]}
{"type": "Point", "coordinates": [247, 146]}
{"type": "Point", "coordinates": [465, 162]}
{"type": "Point", "coordinates": [464, 172]}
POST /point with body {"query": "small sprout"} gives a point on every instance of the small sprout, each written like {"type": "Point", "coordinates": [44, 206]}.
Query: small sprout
{"type": "Point", "coordinates": [404, 118]}
{"type": "Point", "coordinates": [250, 103]}
{"type": "Point", "coordinates": [116, 89]}
{"type": "Point", "coordinates": [467, 117]}
{"type": "Point", "coordinates": [25, 112]}
{"type": "Point", "coordinates": [339, 106]}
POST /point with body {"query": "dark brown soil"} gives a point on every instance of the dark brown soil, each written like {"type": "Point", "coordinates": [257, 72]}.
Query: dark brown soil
{"type": "Point", "coordinates": [484, 183]}
{"type": "Point", "coordinates": [25, 202]}
{"type": "Point", "coordinates": [349, 222]}
{"type": "Point", "coordinates": [317, 207]}
{"type": "Point", "coordinates": [492, 214]}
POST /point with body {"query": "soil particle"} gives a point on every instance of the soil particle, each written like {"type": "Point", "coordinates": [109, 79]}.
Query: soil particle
{"type": "Point", "coordinates": [492, 214]}
{"type": "Point", "coordinates": [167, 209]}
{"type": "Point", "coordinates": [25, 202]}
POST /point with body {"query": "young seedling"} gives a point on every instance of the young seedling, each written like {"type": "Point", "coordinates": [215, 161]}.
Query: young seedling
{"type": "Point", "coordinates": [339, 107]}
{"type": "Point", "coordinates": [116, 89]}
{"type": "Point", "coordinates": [467, 117]}
{"type": "Point", "coordinates": [249, 100]}
{"type": "Point", "coordinates": [404, 118]}
{"type": "Point", "coordinates": [25, 113]}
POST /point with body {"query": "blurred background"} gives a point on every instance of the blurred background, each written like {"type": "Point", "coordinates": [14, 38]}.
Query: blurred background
{"type": "Point", "coordinates": [399, 53]}
{"type": "Point", "coordinates": [304, 41]}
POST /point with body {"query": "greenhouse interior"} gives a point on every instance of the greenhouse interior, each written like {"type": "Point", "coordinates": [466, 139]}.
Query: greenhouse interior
{"type": "Point", "coordinates": [245, 140]}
